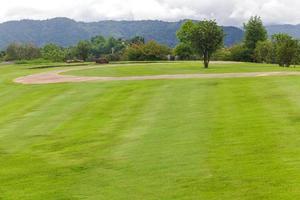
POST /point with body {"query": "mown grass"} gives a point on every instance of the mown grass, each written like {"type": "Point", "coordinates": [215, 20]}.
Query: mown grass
{"type": "Point", "coordinates": [166, 139]}
{"type": "Point", "coordinates": [140, 69]}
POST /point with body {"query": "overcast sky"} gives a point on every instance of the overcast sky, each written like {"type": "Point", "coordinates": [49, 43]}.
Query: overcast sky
{"type": "Point", "coordinates": [227, 12]}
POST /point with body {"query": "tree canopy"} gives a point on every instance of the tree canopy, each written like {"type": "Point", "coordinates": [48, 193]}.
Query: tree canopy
{"type": "Point", "coordinates": [205, 37]}
{"type": "Point", "coordinates": [254, 32]}
{"type": "Point", "coordinates": [286, 49]}
{"type": "Point", "coordinates": [53, 53]}
{"type": "Point", "coordinates": [148, 51]}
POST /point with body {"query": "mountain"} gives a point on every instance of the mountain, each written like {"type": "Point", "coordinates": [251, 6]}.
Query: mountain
{"type": "Point", "coordinates": [293, 30]}
{"type": "Point", "coordinates": [65, 32]}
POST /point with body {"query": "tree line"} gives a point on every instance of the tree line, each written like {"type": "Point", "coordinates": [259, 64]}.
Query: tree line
{"type": "Point", "coordinates": [197, 40]}
{"type": "Point", "coordinates": [111, 49]}
{"type": "Point", "coordinates": [205, 40]}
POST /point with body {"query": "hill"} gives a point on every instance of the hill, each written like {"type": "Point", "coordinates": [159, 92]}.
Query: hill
{"type": "Point", "coordinates": [65, 32]}
{"type": "Point", "coordinates": [293, 30]}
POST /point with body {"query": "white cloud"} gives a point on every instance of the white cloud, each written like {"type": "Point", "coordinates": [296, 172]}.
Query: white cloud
{"type": "Point", "coordinates": [230, 12]}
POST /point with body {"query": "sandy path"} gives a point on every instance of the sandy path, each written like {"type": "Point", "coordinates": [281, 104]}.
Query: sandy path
{"type": "Point", "coordinates": [56, 77]}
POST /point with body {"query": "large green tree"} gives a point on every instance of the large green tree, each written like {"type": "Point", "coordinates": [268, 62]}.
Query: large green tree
{"type": "Point", "coordinates": [53, 53]}
{"type": "Point", "coordinates": [184, 51]}
{"type": "Point", "coordinates": [286, 49]}
{"type": "Point", "coordinates": [264, 52]}
{"type": "Point", "coordinates": [205, 37]}
{"type": "Point", "coordinates": [148, 51]}
{"type": "Point", "coordinates": [17, 51]}
{"type": "Point", "coordinates": [83, 49]}
{"type": "Point", "coordinates": [254, 33]}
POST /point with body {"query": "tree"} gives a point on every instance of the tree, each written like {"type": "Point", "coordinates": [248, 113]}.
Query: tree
{"type": "Point", "coordinates": [98, 46]}
{"type": "Point", "coordinates": [155, 51]}
{"type": "Point", "coordinates": [70, 53]}
{"type": "Point", "coordinates": [137, 40]}
{"type": "Point", "coordinates": [223, 54]}
{"type": "Point", "coordinates": [264, 52]}
{"type": "Point", "coordinates": [16, 51]}
{"type": "Point", "coordinates": [53, 53]}
{"type": "Point", "coordinates": [286, 49]}
{"type": "Point", "coordinates": [240, 53]}
{"type": "Point", "coordinates": [184, 51]}
{"type": "Point", "coordinates": [12, 52]}
{"type": "Point", "coordinates": [83, 49]}
{"type": "Point", "coordinates": [296, 59]}
{"type": "Point", "coordinates": [205, 37]}
{"type": "Point", "coordinates": [254, 32]}
{"type": "Point", "coordinates": [134, 53]}
{"type": "Point", "coordinates": [110, 48]}
{"type": "Point", "coordinates": [149, 51]}
{"type": "Point", "coordinates": [114, 45]}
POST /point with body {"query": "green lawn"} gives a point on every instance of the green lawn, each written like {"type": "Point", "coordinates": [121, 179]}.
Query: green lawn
{"type": "Point", "coordinates": [223, 139]}
{"type": "Point", "coordinates": [177, 68]}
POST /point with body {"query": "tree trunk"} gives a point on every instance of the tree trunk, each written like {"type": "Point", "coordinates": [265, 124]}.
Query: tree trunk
{"type": "Point", "coordinates": [206, 60]}
{"type": "Point", "coordinates": [206, 64]}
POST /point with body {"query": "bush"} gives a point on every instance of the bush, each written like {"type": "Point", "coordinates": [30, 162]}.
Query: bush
{"type": "Point", "coordinates": [264, 52]}
{"type": "Point", "coordinates": [53, 53]}
{"type": "Point", "coordinates": [222, 55]}
{"type": "Point", "coordinates": [286, 49]}
{"type": "Point", "coordinates": [134, 52]}
{"type": "Point", "coordinates": [240, 53]}
{"type": "Point", "coordinates": [17, 51]}
{"type": "Point", "coordinates": [34, 61]}
{"type": "Point", "coordinates": [183, 51]}
{"type": "Point", "coordinates": [112, 57]}
{"type": "Point", "coordinates": [146, 52]}
{"type": "Point", "coordinates": [83, 50]}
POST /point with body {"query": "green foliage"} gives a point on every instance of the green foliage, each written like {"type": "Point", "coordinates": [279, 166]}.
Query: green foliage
{"type": "Point", "coordinates": [205, 37]}
{"type": "Point", "coordinates": [36, 61]}
{"type": "Point", "coordinates": [134, 53]}
{"type": "Point", "coordinates": [114, 45]}
{"type": "Point", "coordinates": [2, 55]}
{"type": "Point", "coordinates": [223, 54]}
{"type": "Point", "coordinates": [254, 32]}
{"type": "Point", "coordinates": [16, 51]}
{"type": "Point", "coordinates": [184, 51]}
{"type": "Point", "coordinates": [53, 53]}
{"type": "Point", "coordinates": [110, 48]}
{"type": "Point", "coordinates": [112, 57]}
{"type": "Point", "coordinates": [137, 40]}
{"type": "Point", "coordinates": [286, 49]}
{"type": "Point", "coordinates": [149, 51]}
{"type": "Point", "coordinates": [264, 52]}
{"type": "Point", "coordinates": [282, 49]}
{"type": "Point", "coordinates": [83, 50]}
{"type": "Point", "coordinates": [98, 46]}
{"type": "Point", "coordinates": [240, 53]}
{"type": "Point", "coordinates": [70, 53]}
{"type": "Point", "coordinates": [154, 51]}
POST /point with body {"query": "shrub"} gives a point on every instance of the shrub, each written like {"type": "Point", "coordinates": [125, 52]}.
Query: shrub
{"type": "Point", "coordinates": [53, 53]}
{"type": "Point", "coordinates": [264, 52]}
{"type": "Point", "coordinates": [16, 51]}
{"type": "Point", "coordinates": [222, 55]}
{"type": "Point", "coordinates": [149, 51]}
{"type": "Point", "coordinates": [286, 49]}
{"type": "Point", "coordinates": [183, 51]}
{"type": "Point", "coordinates": [240, 53]}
